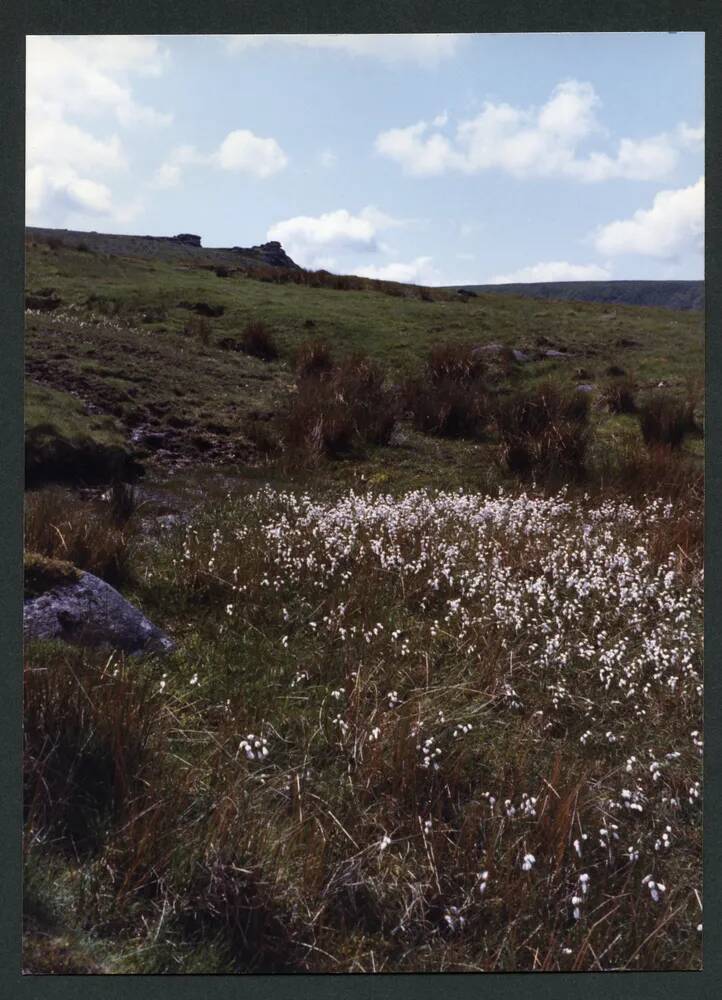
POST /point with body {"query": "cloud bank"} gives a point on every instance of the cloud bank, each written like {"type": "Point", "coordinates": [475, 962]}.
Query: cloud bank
{"type": "Point", "coordinates": [533, 142]}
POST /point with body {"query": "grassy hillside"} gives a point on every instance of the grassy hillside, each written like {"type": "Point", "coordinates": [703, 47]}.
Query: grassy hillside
{"type": "Point", "coordinates": [125, 337]}
{"type": "Point", "coordinates": [661, 294]}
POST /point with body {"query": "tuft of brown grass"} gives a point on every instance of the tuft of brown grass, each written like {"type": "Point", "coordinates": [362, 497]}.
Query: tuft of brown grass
{"type": "Point", "coordinates": [314, 358]}
{"type": "Point", "coordinates": [457, 362]}
{"type": "Point", "coordinates": [544, 431]}
{"type": "Point", "coordinates": [95, 538]}
{"type": "Point", "coordinates": [257, 340]}
{"type": "Point", "coordinates": [340, 414]}
{"type": "Point", "coordinates": [619, 396]}
{"type": "Point", "coordinates": [449, 398]}
{"type": "Point", "coordinates": [447, 407]}
{"type": "Point", "coordinates": [664, 420]}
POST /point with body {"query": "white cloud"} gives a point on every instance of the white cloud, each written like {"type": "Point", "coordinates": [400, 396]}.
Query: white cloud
{"type": "Point", "coordinates": [240, 152]}
{"type": "Point", "coordinates": [674, 224]}
{"type": "Point", "coordinates": [552, 270]}
{"type": "Point", "coordinates": [419, 271]}
{"type": "Point", "coordinates": [245, 152]}
{"type": "Point", "coordinates": [309, 240]}
{"type": "Point", "coordinates": [426, 50]}
{"type": "Point", "coordinates": [58, 143]}
{"type": "Point", "coordinates": [72, 81]}
{"type": "Point", "coordinates": [533, 142]}
{"type": "Point", "coordinates": [63, 188]}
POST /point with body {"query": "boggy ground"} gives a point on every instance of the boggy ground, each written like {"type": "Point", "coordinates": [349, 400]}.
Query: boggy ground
{"type": "Point", "coordinates": [425, 733]}
{"type": "Point", "coordinates": [424, 715]}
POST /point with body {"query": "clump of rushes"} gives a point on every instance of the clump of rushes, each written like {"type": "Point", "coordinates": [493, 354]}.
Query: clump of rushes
{"type": "Point", "coordinates": [314, 358]}
{"type": "Point", "coordinates": [340, 414]}
{"type": "Point", "coordinates": [544, 431]}
{"type": "Point", "coordinates": [619, 396]}
{"type": "Point", "coordinates": [97, 537]}
{"type": "Point", "coordinates": [449, 399]}
{"type": "Point", "coordinates": [664, 420]}
{"type": "Point", "coordinates": [446, 407]}
{"type": "Point", "coordinates": [257, 340]}
{"type": "Point", "coordinates": [457, 362]}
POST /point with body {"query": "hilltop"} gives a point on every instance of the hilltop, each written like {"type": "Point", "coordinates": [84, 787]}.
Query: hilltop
{"type": "Point", "coordinates": [185, 247]}
{"type": "Point", "coordinates": [660, 294]}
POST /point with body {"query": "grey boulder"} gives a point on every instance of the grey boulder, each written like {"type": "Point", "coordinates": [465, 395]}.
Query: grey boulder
{"type": "Point", "coordinates": [89, 612]}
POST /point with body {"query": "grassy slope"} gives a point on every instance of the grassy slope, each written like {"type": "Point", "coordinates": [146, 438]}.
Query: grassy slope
{"type": "Point", "coordinates": [153, 377]}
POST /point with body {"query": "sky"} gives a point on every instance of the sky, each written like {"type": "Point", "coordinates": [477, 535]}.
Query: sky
{"type": "Point", "coordinates": [435, 159]}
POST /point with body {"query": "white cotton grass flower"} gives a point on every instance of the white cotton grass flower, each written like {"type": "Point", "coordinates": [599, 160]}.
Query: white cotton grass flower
{"type": "Point", "coordinates": [384, 842]}
{"type": "Point", "coordinates": [454, 919]}
{"type": "Point", "coordinates": [254, 747]}
{"type": "Point", "coordinates": [528, 862]}
{"type": "Point", "coordinates": [656, 889]}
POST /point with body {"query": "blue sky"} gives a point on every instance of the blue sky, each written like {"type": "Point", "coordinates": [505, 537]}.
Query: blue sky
{"type": "Point", "coordinates": [439, 159]}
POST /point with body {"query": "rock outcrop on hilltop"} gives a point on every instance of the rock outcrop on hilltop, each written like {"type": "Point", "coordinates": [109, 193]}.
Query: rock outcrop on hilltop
{"type": "Point", "coordinates": [185, 247]}
{"type": "Point", "coordinates": [270, 253]}
{"type": "Point", "coordinates": [190, 239]}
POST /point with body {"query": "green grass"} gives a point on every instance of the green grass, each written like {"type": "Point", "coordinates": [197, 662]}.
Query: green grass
{"type": "Point", "coordinates": [64, 441]}
{"type": "Point", "coordinates": [200, 404]}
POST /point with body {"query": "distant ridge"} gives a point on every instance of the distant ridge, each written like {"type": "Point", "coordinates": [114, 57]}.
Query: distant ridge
{"type": "Point", "coordinates": [662, 294]}
{"type": "Point", "coordinates": [184, 246]}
